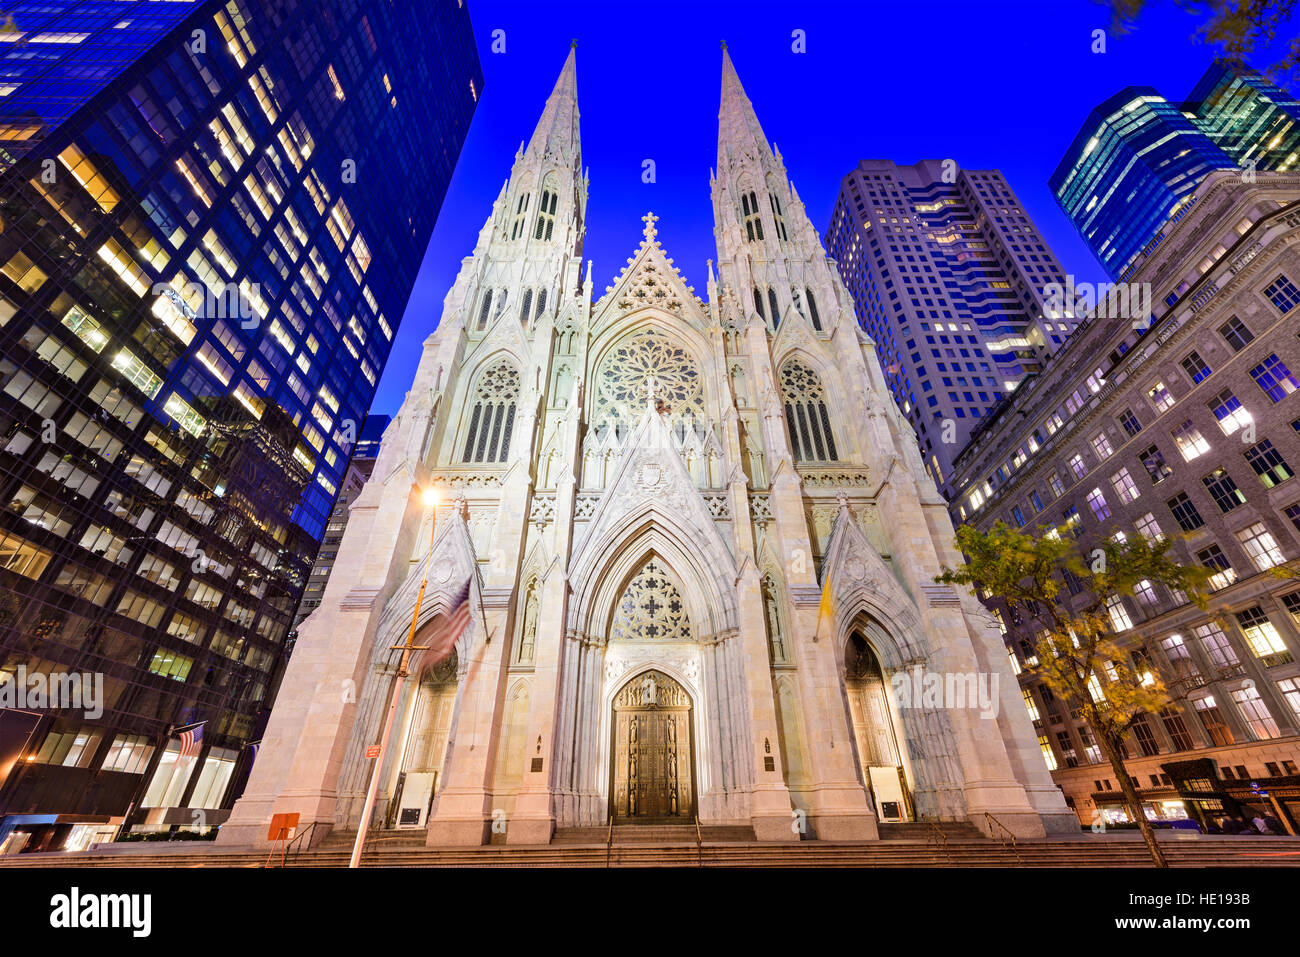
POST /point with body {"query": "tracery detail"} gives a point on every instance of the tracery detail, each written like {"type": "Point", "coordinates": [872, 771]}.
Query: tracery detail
{"type": "Point", "coordinates": [645, 359]}
{"type": "Point", "coordinates": [651, 608]}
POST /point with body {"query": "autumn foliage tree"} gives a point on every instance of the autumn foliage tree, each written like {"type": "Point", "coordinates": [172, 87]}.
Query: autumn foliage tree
{"type": "Point", "coordinates": [1237, 29]}
{"type": "Point", "coordinates": [1082, 656]}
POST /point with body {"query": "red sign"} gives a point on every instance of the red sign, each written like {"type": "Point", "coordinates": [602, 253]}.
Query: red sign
{"type": "Point", "coordinates": [372, 751]}
{"type": "Point", "coordinates": [282, 827]}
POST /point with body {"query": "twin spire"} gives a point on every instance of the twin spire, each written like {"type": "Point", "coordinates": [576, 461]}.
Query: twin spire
{"type": "Point", "coordinates": [557, 130]}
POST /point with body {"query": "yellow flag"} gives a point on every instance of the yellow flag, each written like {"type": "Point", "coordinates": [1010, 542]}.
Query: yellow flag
{"type": "Point", "coordinates": [827, 608]}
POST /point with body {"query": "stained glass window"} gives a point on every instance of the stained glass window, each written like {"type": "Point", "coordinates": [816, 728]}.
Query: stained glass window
{"type": "Point", "coordinates": [636, 363]}
{"type": "Point", "coordinates": [493, 418]}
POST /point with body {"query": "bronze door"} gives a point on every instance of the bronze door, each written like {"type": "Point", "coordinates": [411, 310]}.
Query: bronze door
{"type": "Point", "coordinates": [652, 774]}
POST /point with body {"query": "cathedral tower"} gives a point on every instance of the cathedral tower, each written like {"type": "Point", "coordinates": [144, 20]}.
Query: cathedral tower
{"type": "Point", "coordinates": [701, 545]}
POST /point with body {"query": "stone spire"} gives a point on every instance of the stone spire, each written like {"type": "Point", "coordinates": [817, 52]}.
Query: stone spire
{"type": "Point", "coordinates": [556, 135]}
{"type": "Point", "coordinates": [738, 129]}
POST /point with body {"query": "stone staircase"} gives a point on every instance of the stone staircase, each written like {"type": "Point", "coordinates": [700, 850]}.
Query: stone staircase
{"type": "Point", "coordinates": [898, 848]}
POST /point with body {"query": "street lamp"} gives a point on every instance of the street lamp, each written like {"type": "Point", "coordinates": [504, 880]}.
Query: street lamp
{"type": "Point", "coordinates": [430, 499]}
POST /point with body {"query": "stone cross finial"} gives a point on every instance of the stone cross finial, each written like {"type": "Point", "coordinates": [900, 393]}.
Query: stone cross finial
{"type": "Point", "coordinates": [651, 386]}
{"type": "Point", "coordinates": [842, 497]}
{"type": "Point", "coordinates": [650, 219]}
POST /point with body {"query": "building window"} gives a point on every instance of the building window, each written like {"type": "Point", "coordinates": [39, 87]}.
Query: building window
{"type": "Point", "coordinates": [1119, 619]}
{"type": "Point", "coordinates": [1223, 490]}
{"type": "Point", "coordinates": [1274, 378]}
{"type": "Point", "coordinates": [1195, 367]}
{"type": "Point", "coordinates": [1036, 501]}
{"type": "Point", "coordinates": [484, 310]}
{"type": "Point", "coordinates": [1124, 486]}
{"type": "Point", "coordinates": [526, 307]}
{"type": "Point", "coordinates": [1293, 513]}
{"type": "Point", "coordinates": [1217, 562]}
{"type": "Point", "coordinates": [1146, 739]}
{"type": "Point", "coordinates": [776, 216]}
{"type": "Point", "coordinates": [1185, 513]}
{"type": "Point", "coordinates": [1101, 445]}
{"type": "Point", "coordinates": [1073, 524]}
{"type": "Point", "coordinates": [1154, 462]}
{"type": "Point", "coordinates": [1229, 412]}
{"type": "Point", "coordinates": [1217, 645]}
{"type": "Point", "coordinates": [1128, 421]}
{"type": "Point", "coordinates": [1261, 634]}
{"type": "Point", "coordinates": [1049, 756]}
{"type": "Point", "coordinates": [1260, 546]}
{"type": "Point", "coordinates": [1097, 502]}
{"type": "Point", "coordinates": [1176, 729]}
{"type": "Point", "coordinates": [753, 222]}
{"type": "Point", "coordinates": [1018, 516]}
{"type": "Point", "coordinates": [776, 310]}
{"type": "Point", "coordinates": [1268, 464]}
{"type": "Point", "coordinates": [1160, 397]}
{"type": "Point", "coordinates": [521, 208]}
{"type": "Point", "coordinates": [1077, 466]}
{"type": "Point", "coordinates": [809, 424]}
{"type": "Point", "coordinates": [1235, 334]}
{"type": "Point", "coordinates": [546, 214]}
{"type": "Point", "coordinates": [1148, 528]}
{"type": "Point", "coordinates": [1256, 713]}
{"type": "Point", "coordinates": [1145, 592]}
{"type": "Point", "coordinates": [493, 417]}
{"type": "Point", "coordinates": [1283, 294]}
{"type": "Point", "coordinates": [812, 310]}
{"type": "Point", "coordinates": [1189, 440]}
{"type": "Point", "coordinates": [1217, 729]}
{"type": "Point", "coordinates": [1290, 691]}
{"type": "Point", "coordinates": [1054, 481]}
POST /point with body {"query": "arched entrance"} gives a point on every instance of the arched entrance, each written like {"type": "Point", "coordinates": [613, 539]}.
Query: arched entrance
{"type": "Point", "coordinates": [873, 732]}
{"type": "Point", "coordinates": [423, 748]}
{"type": "Point", "coordinates": [652, 771]}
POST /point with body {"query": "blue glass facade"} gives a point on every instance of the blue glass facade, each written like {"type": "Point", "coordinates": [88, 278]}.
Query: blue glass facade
{"type": "Point", "coordinates": [204, 258]}
{"type": "Point", "coordinates": [1139, 158]}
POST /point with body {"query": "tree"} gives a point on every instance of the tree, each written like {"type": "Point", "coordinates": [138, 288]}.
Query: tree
{"type": "Point", "coordinates": [1080, 657]}
{"type": "Point", "coordinates": [1237, 28]}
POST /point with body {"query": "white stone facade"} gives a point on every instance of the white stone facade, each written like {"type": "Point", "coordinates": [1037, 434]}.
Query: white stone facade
{"type": "Point", "coordinates": [648, 539]}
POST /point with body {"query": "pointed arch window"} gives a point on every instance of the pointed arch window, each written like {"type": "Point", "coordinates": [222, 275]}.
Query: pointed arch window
{"type": "Point", "coordinates": [776, 215]}
{"type": "Point", "coordinates": [485, 309]}
{"type": "Point", "coordinates": [776, 310]}
{"type": "Point", "coordinates": [493, 417]}
{"type": "Point", "coordinates": [812, 309]}
{"type": "Point", "coordinates": [526, 307]}
{"type": "Point", "coordinates": [521, 217]}
{"type": "Point", "coordinates": [772, 615]}
{"type": "Point", "coordinates": [753, 222]}
{"type": "Point", "coordinates": [541, 303]}
{"type": "Point", "coordinates": [811, 438]}
{"type": "Point", "coordinates": [546, 214]}
{"type": "Point", "coordinates": [758, 304]}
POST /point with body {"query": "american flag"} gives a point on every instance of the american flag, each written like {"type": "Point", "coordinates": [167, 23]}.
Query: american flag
{"type": "Point", "coordinates": [191, 739]}
{"type": "Point", "coordinates": [449, 627]}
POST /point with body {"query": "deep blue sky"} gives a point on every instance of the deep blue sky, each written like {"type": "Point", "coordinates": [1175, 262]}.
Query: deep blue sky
{"type": "Point", "coordinates": [1002, 85]}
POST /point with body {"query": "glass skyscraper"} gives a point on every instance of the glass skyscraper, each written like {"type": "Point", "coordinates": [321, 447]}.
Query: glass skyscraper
{"type": "Point", "coordinates": [213, 214]}
{"type": "Point", "coordinates": [1138, 158]}
{"type": "Point", "coordinates": [948, 275]}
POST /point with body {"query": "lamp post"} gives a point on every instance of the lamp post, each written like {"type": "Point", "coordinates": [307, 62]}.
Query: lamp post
{"type": "Point", "coordinates": [430, 499]}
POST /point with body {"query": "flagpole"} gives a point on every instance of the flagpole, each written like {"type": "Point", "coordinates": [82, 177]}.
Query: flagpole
{"type": "Point", "coordinates": [430, 497]}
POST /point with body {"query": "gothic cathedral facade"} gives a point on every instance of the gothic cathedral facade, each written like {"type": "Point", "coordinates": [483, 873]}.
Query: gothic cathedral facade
{"type": "Point", "coordinates": [701, 543]}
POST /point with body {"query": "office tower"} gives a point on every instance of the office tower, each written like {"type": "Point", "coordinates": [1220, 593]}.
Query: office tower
{"type": "Point", "coordinates": [948, 276]}
{"type": "Point", "coordinates": [1138, 159]}
{"type": "Point", "coordinates": [359, 470]}
{"type": "Point", "coordinates": [1187, 430]}
{"type": "Point", "coordinates": [204, 258]}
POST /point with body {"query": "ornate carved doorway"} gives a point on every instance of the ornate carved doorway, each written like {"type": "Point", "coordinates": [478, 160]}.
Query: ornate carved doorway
{"type": "Point", "coordinates": [653, 772]}
{"type": "Point", "coordinates": [873, 732]}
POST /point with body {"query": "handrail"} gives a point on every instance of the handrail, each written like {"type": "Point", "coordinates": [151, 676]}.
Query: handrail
{"type": "Point", "coordinates": [609, 840]}
{"type": "Point", "coordinates": [992, 820]}
{"type": "Point", "coordinates": [939, 837]}
{"type": "Point", "coordinates": [699, 843]}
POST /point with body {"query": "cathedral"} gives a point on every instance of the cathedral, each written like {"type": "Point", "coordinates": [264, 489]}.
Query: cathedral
{"type": "Point", "coordinates": [701, 547]}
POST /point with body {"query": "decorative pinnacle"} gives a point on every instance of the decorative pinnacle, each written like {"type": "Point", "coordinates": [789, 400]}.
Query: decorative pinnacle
{"type": "Point", "coordinates": [650, 219]}
{"type": "Point", "coordinates": [573, 44]}
{"type": "Point", "coordinates": [724, 44]}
